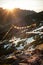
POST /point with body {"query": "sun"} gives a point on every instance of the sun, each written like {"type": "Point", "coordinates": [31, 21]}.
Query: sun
{"type": "Point", "coordinates": [22, 4]}
{"type": "Point", "coordinates": [9, 5]}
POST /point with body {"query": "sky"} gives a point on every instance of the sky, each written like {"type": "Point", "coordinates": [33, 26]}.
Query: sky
{"type": "Point", "coordinates": [36, 5]}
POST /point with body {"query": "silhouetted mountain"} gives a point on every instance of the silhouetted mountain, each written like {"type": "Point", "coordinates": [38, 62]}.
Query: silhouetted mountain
{"type": "Point", "coordinates": [38, 16]}
{"type": "Point", "coordinates": [35, 18]}
{"type": "Point", "coordinates": [18, 17]}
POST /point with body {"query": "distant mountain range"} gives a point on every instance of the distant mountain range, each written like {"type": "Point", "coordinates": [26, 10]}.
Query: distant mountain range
{"type": "Point", "coordinates": [18, 17]}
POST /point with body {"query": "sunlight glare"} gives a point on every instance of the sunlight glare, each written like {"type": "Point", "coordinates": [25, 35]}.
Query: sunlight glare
{"type": "Point", "coordinates": [9, 5]}
{"type": "Point", "coordinates": [22, 4]}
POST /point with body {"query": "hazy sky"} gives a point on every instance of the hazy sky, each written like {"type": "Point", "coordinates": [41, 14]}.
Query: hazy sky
{"type": "Point", "coordinates": [36, 5]}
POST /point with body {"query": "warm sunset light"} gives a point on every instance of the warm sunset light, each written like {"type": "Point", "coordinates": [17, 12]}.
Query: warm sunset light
{"type": "Point", "coordinates": [36, 5]}
{"type": "Point", "coordinates": [9, 5]}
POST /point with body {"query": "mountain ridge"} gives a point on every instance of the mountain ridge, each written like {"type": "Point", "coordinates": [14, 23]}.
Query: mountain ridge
{"type": "Point", "coordinates": [18, 17]}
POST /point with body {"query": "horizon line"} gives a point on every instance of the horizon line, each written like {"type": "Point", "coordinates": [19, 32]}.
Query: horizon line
{"type": "Point", "coordinates": [21, 9]}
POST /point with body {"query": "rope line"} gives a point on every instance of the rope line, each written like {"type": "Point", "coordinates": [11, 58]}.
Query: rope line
{"type": "Point", "coordinates": [19, 28]}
